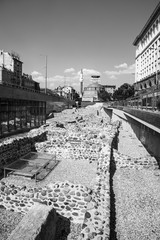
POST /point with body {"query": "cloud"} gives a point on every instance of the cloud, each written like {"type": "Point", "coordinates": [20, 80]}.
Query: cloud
{"type": "Point", "coordinates": [123, 65]}
{"type": "Point", "coordinates": [37, 76]}
{"type": "Point", "coordinates": [35, 73]}
{"type": "Point", "coordinates": [90, 72]}
{"type": "Point", "coordinates": [132, 67]}
{"type": "Point", "coordinates": [69, 70]}
{"type": "Point", "coordinates": [60, 80]}
{"type": "Point", "coordinates": [124, 69]}
{"type": "Point", "coordinates": [51, 81]}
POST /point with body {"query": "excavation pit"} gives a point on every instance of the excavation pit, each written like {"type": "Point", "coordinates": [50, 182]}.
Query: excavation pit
{"type": "Point", "coordinates": [33, 165]}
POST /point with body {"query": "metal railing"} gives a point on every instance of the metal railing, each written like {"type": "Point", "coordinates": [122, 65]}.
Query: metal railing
{"type": "Point", "coordinates": [144, 101]}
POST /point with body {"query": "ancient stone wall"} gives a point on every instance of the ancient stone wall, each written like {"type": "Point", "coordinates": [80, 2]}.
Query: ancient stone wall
{"type": "Point", "coordinates": [13, 148]}
{"type": "Point", "coordinates": [84, 137]}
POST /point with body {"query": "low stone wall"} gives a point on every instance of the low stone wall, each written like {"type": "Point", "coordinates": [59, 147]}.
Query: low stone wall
{"type": "Point", "coordinates": [13, 148]}
{"type": "Point", "coordinates": [97, 218]}
{"type": "Point", "coordinates": [86, 137]}
{"type": "Point", "coordinates": [68, 199]}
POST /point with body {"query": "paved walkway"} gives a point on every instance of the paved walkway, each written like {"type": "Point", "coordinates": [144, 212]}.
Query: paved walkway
{"type": "Point", "coordinates": [136, 185]}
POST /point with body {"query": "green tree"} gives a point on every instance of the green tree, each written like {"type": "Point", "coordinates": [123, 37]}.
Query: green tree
{"type": "Point", "coordinates": [76, 96]}
{"type": "Point", "coordinates": [123, 92]}
{"type": "Point", "coordinates": [104, 95]}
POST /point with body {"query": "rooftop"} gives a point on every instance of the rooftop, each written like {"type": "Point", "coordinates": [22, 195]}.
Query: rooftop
{"type": "Point", "coordinates": [155, 13]}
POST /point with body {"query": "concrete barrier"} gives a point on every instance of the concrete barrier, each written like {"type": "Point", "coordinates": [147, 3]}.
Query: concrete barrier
{"type": "Point", "coordinates": [143, 124]}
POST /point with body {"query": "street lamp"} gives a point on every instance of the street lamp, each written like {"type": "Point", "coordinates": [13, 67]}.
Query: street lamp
{"type": "Point", "coordinates": [45, 73]}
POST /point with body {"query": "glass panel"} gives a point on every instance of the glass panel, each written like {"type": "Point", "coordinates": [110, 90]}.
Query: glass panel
{"type": "Point", "coordinates": [4, 116]}
{"type": "Point", "coordinates": [23, 119]}
{"type": "Point", "coordinates": [11, 121]}
{"type": "Point", "coordinates": [28, 115]}
{"type": "Point", "coordinates": [4, 119]}
{"type": "Point", "coordinates": [18, 115]}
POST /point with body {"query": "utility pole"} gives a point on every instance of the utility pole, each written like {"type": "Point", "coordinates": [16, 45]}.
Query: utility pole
{"type": "Point", "coordinates": [45, 72]}
{"type": "Point", "coordinates": [46, 77]}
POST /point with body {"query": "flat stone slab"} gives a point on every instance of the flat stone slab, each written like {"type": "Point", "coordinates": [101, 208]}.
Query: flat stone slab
{"type": "Point", "coordinates": [33, 224]}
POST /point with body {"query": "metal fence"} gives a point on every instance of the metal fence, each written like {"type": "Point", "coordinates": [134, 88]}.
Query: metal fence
{"type": "Point", "coordinates": [143, 100]}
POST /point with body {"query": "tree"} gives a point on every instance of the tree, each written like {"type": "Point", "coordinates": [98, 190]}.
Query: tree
{"type": "Point", "coordinates": [76, 96]}
{"type": "Point", "coordinates": [104, 95]}
{"type": "Point", "coordinates": [123, 92]}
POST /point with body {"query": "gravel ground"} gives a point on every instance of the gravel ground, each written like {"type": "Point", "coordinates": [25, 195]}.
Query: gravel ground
{"type": "Point", "coordinates": [8, 222]}
{"type": "Point", "coordinates": [67, 230]}
{"type": "Point", "coordinates": [75, 171]}
{"type": "Point", "coordinates": [137, 194]}
{"type": "Point", "coordinates": [130, 145]}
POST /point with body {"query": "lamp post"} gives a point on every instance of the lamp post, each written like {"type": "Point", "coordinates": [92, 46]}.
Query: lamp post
{"type": "Point", "coordinates": [46, 77]}
{"type": "Point", "coordinates": [45, 73]}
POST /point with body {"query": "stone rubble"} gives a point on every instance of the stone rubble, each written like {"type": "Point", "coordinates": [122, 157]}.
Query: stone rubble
{"type": "Point", "coordinates": [79, 187]}
{"type": "Point", "coordinates": [68, 199]}
{"type": "Point", "coordinates": [74, 135]}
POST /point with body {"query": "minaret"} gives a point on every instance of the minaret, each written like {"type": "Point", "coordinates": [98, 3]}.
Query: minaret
{"type": "Point", "coordinates": [81, 83]}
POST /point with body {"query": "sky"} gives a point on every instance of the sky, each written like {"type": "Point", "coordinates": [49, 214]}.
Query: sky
{"type": "Point", "coordinates": [94, 35]}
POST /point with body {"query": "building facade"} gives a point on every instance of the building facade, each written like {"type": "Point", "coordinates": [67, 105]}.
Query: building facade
{"type": "Point", "coordinates": [22, 107]}
{"type": "Point", "coordinates": [147, 60]}
{"type": "Point", "coordinates": [66, 92]}
{"type": "Point", "coordinates": [91, 92]}
{"type": "Point", "coordinates": [11, 72]}
{"type": "Point", "coordinates": [110, 88]}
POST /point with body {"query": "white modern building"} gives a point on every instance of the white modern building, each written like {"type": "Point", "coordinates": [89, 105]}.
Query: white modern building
{"type": "Point", "coordinates": [147, 62]}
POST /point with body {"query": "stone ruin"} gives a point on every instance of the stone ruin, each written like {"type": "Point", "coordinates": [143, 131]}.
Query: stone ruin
{"type": "Point", "coordinates": [72, 134]}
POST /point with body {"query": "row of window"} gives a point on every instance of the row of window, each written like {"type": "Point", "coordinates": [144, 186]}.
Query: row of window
{"type": "Point", "coordinates": [18, 114]}
{"type": "Point", "coordinates": [151, 32]}
{"type": "Point", "coordinates": [149, 61]}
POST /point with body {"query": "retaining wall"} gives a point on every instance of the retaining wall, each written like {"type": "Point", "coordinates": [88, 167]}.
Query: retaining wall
{"type": "Point", "coordinates": [13, 148]}
{"type": "Point", "coordinates": [137, 121]}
